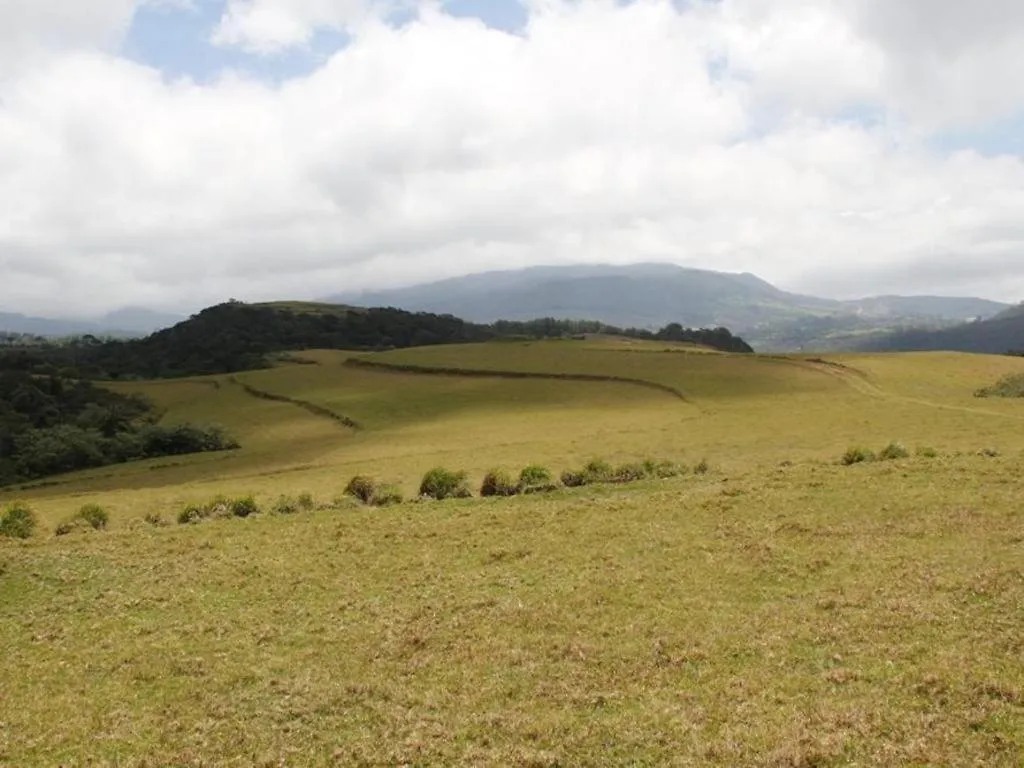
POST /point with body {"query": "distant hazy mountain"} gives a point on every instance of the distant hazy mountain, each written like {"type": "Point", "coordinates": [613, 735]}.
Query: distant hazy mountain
{"type": "Point", "coordinates": [131, 321]}
{"type": "Point", "coordinates": [651, 295]}
{"type": "Point", "coordinates": [927, 306]}
{"type": "Point", "coordinates": [641, 295]}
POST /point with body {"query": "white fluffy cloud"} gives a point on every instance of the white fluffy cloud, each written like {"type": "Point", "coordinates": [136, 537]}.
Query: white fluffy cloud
{"type": "Point", "coordinates": [719, 135]}
{"type": "Point", "coordinates": [266, 26]}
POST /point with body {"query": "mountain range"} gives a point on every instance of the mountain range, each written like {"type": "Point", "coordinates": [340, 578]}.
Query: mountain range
{"type": "Point", "coordinates": [652, 295]}
{"type": "Point", "coordinates": [127, 322]}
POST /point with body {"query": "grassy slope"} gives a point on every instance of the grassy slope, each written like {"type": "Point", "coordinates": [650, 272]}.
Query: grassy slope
{"type": "Point", "coordinates": [764, 614]}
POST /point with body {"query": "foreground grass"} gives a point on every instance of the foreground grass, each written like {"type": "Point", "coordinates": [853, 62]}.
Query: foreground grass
{"type": "Point", "coordinates": [805, 615]}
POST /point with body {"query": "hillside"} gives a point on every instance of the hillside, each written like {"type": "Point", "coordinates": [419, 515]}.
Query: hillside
{"type": "Point", "coordinates": [997, 335]}
{"type": "Point", "coordinates": [235, 337]}
{"type": "Point", "coordinates": [767, 606]}
{"type": "Point", "coordinates": [650, 295]}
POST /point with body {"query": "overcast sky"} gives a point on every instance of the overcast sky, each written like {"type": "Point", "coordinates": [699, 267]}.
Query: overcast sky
{"type": "Point", "coordinates": [174, 153]}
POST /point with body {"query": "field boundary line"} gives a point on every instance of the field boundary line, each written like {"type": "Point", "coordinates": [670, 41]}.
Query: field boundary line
{"type": "Point", "coordinates": [484, 373]}
{"type": "Point", "coordinates": [316, 410]}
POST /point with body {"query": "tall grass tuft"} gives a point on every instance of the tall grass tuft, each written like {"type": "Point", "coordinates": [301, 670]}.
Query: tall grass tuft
{"type": "Point", "coordinates": [536, 479]}
{"type": "Point", "coordinates": [440, 483]}
{"type": "Point", "coordinates": [498, 482]}
{"type": "Point", "coordinates": [857, 455]}
{"type": "Point", "coordinates": [18, 521]}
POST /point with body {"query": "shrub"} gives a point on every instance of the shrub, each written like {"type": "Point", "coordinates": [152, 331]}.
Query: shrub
{"type": "Point", "coordinates": [893, 451]}
{"type": "Point", "coordinates": [387, 496]}
{"type": "Point", "coordinates": [630, 473]}
{"type": "Point", "coordinates": [440, 483]}
{"type": "Point", "coordinates": [702, 467]}
{"type": "Point", "coordinates": [1008, 386]}
{"type": "Point", "coordinates": [536, 479]}
{"type": "Point", "coordinates": [74, 524]}
{"type": "Point", "coordinates": [498, 482]}
{"type": "Point", "coordinates": [286, 505]}
{"type": "Point", "coordinates": [857, 455]}
{"type": "Point", "coordinates": [927, 452]}
{"type": "Point", "coordinates": [244, 506]}
{"type": "Point", "coordinates": [192, 513]}
{"type": "Point", "coordinates": [598, 471]}
{"type": "Point", "coordinates": [219, 506]}
{"type": "Point", "coordinates": [95, 515]}
{"type": "Point", "coordinates": [662, 469]}
{"type": "Point", "coordinates": [19, 521]}
{"type": "Point", "coordinates": [306, 501]}
{"type": "Point", "coordinates": [362, 488]}
{"type": "Point", "coordinates": [574, 478]}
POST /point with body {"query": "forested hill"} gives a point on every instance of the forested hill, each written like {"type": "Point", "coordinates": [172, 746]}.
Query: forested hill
{"type": "Point", "coordinates": [1001, 334]}
{"type": "Point", "coordinates": [235, 337]}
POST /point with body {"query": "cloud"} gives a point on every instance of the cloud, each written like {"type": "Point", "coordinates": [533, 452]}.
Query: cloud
{"type": "Point", "coordinates": [270, 26]}
{"type": "Point", "coordinates": [728, 135]}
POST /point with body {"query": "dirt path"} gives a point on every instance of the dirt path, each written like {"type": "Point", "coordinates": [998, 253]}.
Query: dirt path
{"type": "Point", "coordinates": [861, 382]}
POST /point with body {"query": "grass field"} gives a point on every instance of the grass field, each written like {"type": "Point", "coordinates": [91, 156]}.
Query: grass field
{"type": "Point", "coordinates": [779, 610]}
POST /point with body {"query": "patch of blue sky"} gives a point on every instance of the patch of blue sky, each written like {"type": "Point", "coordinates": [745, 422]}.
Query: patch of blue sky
{"type": "Point", "coordinates": [176, 40]}
{"type": "Point", "coordinates": [1001, 137]}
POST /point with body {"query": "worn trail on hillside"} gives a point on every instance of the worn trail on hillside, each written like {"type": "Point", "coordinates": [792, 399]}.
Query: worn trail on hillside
{"type": "Point", "coordinates": [861, 382]}
{"type": "Point", "coordinates": [316, 410]}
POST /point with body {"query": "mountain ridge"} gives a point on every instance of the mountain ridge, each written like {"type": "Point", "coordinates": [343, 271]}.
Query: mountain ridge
{"type": "Point", "coordinates": [649, 295]}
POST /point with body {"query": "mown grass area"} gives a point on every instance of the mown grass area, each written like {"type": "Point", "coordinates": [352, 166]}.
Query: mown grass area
{"type": "Point", "coordinates": [803, 616]}
{"type": "Point", "coordinates": [779, 609]}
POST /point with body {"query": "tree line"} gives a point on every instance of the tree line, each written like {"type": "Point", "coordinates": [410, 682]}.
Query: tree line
{"type": "Point", "coordinates": [51, 424]}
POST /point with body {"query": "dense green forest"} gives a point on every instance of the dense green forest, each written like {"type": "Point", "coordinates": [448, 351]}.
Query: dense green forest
{"type": "Point", "coordinates": [999, 335]}
{"type": "Point", "coordinates": [49, 424]}
{"type": "Point", "coordinates": [235, 337]}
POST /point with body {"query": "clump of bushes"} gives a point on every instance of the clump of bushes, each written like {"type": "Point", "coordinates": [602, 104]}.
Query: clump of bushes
{"type": "Point", "coordinates": [857, 455]}
{"type": "Point", "coordinates": [440, 483]}
{"type": "Point", "coordinates": [600, 471]}
{"type": "Point", "coordinates": [536, 479]}
{"type": "Point", "coordinates": [95, 515]}
{"type": "Point", "coordinates": [630, 473]}
{"type": "Point", "coordinates": [370, 491]}
{"type": "Point", "coordinates": [893, 451]}
{"type": "Point", "coordinates": [285, 505]}
{"type": "Point", "coordinates": [574, 478]}
{"type": "Point", "coordinates": [192, 513]}
{"type": "Point", "coordinates": [387, 496]}
{"type": "Point", "coordinates": [1008, 386]}
{"type": "Point", "coordinates": [499, 482]}
{"type": "Point", "coordinates": [18, 521]}
{"type": "Point", "coordinates": [90, 517]}
{"type": "Point", "coordinates": [219, 506]}
{"type": "Point", "coordinates": [361, 487]}
{"type": "Point", "coordinates": [662, 469]}
{"type": "Point", "coordinates": [244, 506]}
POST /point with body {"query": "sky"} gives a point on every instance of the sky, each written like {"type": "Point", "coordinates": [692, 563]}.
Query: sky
{"type": "Point", "coordinates": [176, 153]}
